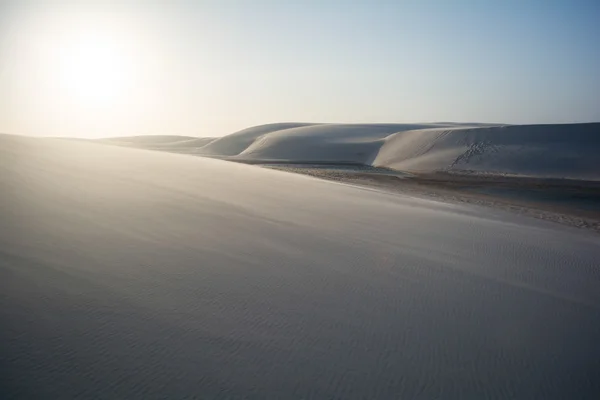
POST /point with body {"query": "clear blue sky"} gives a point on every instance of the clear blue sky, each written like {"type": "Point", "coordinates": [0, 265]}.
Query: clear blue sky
{"type": "Point", "coordinates": [212, 67]}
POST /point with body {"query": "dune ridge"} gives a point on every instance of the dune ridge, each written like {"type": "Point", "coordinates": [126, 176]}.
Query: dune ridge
{"type": "Point", "coordinates": [545, 151]}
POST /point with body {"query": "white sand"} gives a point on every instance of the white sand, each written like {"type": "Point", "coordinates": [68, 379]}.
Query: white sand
{"type": "Point", "coordinates": [128, 273]}
{"type": "Point", "coordinates": [550, 151]}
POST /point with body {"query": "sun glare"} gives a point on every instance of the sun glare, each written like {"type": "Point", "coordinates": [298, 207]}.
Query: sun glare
{"type": "Point", "coordinates": [84, 70]}
{"type": "Point", "coordinates": [92, 69]}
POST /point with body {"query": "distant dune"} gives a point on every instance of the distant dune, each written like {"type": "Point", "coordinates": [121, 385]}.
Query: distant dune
{"type": "Point", "coordinates": [551, 151]}
{"type": "Point", "coordinates": [236, 143]}
{"type": "Point", "coordinates": [148, 139]}
{"type": "Point", "coordinates": [181, 144]}
{"type": "Point", "coordinates": [548, 151]}
{"type": "Point", "coordinates": [308, 142]}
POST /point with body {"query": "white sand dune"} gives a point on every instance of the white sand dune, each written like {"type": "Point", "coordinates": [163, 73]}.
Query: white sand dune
{"type": "Point", "coordinates": [136, 274]}
{"type": "Point", "coordinates": [552, 151]}
{"type": "Point", "coordinates": [148, 139]}
{"type": "Point", "coordinates": [235, 143]}
{"type": "Point", "coordinates": [329, 142]}
{"type": "Point", "coordinates": [556, 151]}
{"type": "Point", "coordinates": [160, 142]}
{"type": "Point", "coordinates": [308, 142]}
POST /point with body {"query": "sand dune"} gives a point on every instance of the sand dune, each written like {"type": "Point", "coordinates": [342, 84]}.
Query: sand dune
{"type": "Point", "coordinates": [235, 143]}
{"type": "Point", "coordinates": [136, 274]}
{"type": "Point", "coordinates": [331, 142]}
{"type": "Point", "coordinates": [550, 151]}
{"type": "Point", "coordinates": [307, 142]}
{"type": "Point", "coordinates": [555, 151]}
{"type": "Point", "coordinates": [148, 139]}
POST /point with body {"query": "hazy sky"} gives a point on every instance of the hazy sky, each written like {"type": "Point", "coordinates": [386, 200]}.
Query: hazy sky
{"type": "Point", "coordinates": [209, 68]}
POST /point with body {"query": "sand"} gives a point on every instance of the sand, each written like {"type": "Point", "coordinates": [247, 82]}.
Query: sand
{"type": "Point", "coordinates": [129, 273]}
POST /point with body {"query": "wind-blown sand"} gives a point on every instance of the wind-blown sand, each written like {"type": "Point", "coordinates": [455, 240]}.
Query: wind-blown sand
{"type": "Point", "coordinates": [128, 273]}
{"type": "Point", "coordinates": [569, 202]}
{"type": "Point", "coordinates": [546, 171]}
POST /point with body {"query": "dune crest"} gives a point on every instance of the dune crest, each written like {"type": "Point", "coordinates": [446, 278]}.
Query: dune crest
{"type": "Point", "coordinates": [552, 151]}
{"type": "Point", "coordinates": [544, 151]}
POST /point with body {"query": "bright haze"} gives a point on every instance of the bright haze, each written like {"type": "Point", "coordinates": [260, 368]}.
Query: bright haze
{"type": "Point", "coordinates": [208, 68]}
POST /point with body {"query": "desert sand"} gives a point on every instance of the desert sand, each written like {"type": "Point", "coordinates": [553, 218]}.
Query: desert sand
{"type": "Point", "coordinates": [546, 151]}
{"type": "Point", "coordinates": [129, 273]}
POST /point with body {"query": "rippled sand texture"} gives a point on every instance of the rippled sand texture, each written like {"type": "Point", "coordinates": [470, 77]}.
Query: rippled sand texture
{"type": "Point", "coordinates": [131, 274]}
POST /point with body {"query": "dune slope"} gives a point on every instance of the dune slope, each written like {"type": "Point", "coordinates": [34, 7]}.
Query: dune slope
{"type": "Point", "coordinates": [148, 139]}
{"type": "Point", "coordinates": [237, 142]}
{"type": "Point", "coordinates": [557, 151]}
{"type": "Point", "coordinates": [172, 143]}
{"type": "Point", "coordinates": [134, 274]}
{"type": "Point", "coordinates": [547, 151]}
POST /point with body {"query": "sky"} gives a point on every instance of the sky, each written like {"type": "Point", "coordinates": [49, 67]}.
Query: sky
{"type": "Point", "coordinates": [210, 68]}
